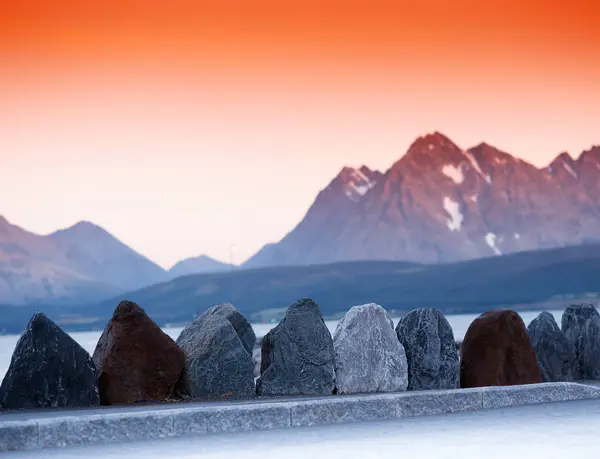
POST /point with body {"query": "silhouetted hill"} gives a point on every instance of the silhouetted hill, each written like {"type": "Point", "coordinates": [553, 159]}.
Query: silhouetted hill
{"type": "Point", "coordinates": [198, 265]}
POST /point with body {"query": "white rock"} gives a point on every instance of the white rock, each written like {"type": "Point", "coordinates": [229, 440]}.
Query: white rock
{"type": "Point", "coordinates": [367, 354]}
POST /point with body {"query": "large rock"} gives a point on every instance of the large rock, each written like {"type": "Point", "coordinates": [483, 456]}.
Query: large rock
{"type": "Point", "coordinates": [136, 360]}
{"type": "Point", "coordinates": [430, 348]}
{"type": "Point", "coordinates": [217, 363]}
{"type": "Point", "coordinates": [235, 317]}
{"type": "Point", "coordinates": [297, 355]}
{"type": "Point", "coordinates": [555, 353]}
{"type": "Point", "coordinates": [581, 326]}
{"type": "Point", "coordinates": [256, 359]}
{"type": "Point", "coordinates": [48, 369]}
{"type": "Point", "coordinates": [367, 354]}
{"type": "Point", "coordinates": [497, 351]}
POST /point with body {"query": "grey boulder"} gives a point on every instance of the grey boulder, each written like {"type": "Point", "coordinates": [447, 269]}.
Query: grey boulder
{"type": "Point", "coordinates": [297, 355]}
{"type": "Point", "coordinates": [581, 326]}
{"type": "Point", "coordinates": [430, 348]}
{"type": "Point", "coordinates": [367, 354]}
{"type": "Point", "coordinates": [236, 318]}
{"type": "Point", "coordinates": [256, 359]}
{"type": "Point", "coordinates": [217, 364]}
{"type": "Point", "coordinates": [555, 353]}
{"type": "Point", "coordinates": [48, 369]}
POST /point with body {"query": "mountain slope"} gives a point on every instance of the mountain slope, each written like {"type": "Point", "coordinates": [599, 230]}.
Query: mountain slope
{"type": "Point", "coordinates": [113, 262]}
{"type": "Point", "coordinates": [78, 264]}
{"type": "Point", "coordinates": [440, 203]}
{"type": "Point", "coordinates": [323, 224]}
{"type": "Point", "coordinates": [198, 265]}
{"type": "Point", "coordinates": [34, 268]}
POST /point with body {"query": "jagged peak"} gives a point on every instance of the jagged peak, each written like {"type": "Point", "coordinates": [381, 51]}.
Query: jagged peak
{"type": "Point", "coordinates": [368, 171]}
{"type": "Point", "coordinates": [564, 156]}
{"type": "Point", "coordinates": [429, 151]}
{"type": "Point", "coordinates": [484, 146]}
{"type": "Point", "coordinates": [566, 162]}
{"type": "Point", "coordinates": [360, 174]}
{"type": "Point", "coordinates": [432, 141]}
{"type": "Point", "coordinates": [355, 182]}
{"type": "Point", "coordinates": [592, 152]}
{"type": "Point", "coordinates": [486, 152]}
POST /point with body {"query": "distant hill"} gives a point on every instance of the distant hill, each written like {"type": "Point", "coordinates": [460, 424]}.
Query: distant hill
{"type": "Point", "coordinates": [198, 265]}
{"type": "Point", "coordinates": [79, 264]}
{"type": "Point", "coordinates": [523, 280]}
{"type": "Point", "coordinates": [119, 265]}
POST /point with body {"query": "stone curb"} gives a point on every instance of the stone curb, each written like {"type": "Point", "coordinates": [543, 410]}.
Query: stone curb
{"type": "Point", "coordinates": [81, 427]}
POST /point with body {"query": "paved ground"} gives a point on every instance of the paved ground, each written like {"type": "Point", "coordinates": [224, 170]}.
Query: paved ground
{"type": "Point", "coordinates": [548, 431]}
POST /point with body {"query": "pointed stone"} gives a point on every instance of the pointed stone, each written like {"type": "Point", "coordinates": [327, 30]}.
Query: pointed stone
{"type": "Point", "coordinates": [430, 348]}
{"type": "Point", "coordinates": [136, 360]}
{"type": "Point", "coordinates": [581, 326]}
{"type": "Point", "coordinates": [368, 355]}
{"type": "Point", "coordinates": [217, 363]}
{"type": "Point", "coordinates": [48, 369]}
{"type": "Point", "coordinates": [297, 355]}
{"type": "Point", "coordinates": [235, 317]}
{"type": "Point", "coordinates": [555, 353]}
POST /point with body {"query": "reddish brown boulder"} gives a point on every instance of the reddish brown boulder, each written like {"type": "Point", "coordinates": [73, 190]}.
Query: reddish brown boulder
{"type": "Point", "coordinates": [497, 351]}
{"type": "Point", "coordinates": [135, 359]}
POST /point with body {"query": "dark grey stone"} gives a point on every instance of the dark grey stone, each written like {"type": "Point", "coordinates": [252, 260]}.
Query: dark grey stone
{"type": "Point", "coordinates": [297, 355]}
{"type": "Point", "coordinates": [555, 353]}
{"type": "Point", "coordinates": [430, 350]}
{"type": "Point", "coordinates": [367, 354]}
{"type": "Point", "coordinates": [256, 359]}
{"type": "Point", "coordinates": [217, 364]}
{"type": "Point", "coordinates": [581, 326]}
{"type": "Point", "coordinates": [239, 322]}
{"type": "Point", "coordinates": [48, 369]}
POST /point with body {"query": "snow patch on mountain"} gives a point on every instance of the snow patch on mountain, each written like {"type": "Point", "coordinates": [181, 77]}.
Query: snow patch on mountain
{"type": "Point", "coordinates": [570, 170]}
{"type": "Point", "coordinates": [475, 166]}
{"type": "Point", "coordinates": [358, 185]}
{"type": "Point", "coordinates": [456, 217]}
{"type": "Point", "coordinates": [453, 173]}
{"type": "Point", "coordinates": [490, 239]}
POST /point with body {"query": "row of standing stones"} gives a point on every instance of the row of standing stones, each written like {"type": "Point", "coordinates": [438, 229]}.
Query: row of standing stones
{"type": "Point", "coordinates": [135, 361]}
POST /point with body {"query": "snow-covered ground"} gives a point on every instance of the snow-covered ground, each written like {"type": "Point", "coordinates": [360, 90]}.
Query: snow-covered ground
{"type": "Point", "coordinates": [560, 430]}
{"type": "Point", "coordinates": [88, 340]}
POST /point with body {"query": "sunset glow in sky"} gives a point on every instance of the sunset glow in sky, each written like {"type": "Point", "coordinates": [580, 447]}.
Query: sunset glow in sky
{"type": "Point", "coordinates": [184, 127]}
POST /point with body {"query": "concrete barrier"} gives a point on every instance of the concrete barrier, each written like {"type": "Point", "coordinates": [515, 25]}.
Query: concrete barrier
{"type": "Point", "coordinates": [52, 429]}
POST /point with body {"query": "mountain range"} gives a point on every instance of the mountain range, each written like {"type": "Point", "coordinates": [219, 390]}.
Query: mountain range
{"type": "Point", "coordinates": [438, 203]}
{"type": "Point", "coordinates": [79, 264]}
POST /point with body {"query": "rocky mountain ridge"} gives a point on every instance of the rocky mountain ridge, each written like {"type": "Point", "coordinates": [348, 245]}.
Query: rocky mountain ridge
{"type": "Point", "coordinates": [440, 203]}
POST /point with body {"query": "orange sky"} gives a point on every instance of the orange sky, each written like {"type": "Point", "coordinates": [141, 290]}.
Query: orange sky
{"type": "Point", "coordinates": [215, 123]}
